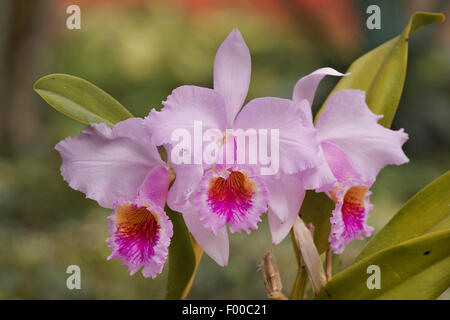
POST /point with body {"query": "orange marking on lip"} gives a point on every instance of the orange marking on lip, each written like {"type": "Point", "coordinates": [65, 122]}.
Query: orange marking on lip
{"type": "Point", "coordinates": [231, 195]}
{"type": "Point", "coordinates": [354, 200]}
{"type": "Point", "coordinates": [136, 222]}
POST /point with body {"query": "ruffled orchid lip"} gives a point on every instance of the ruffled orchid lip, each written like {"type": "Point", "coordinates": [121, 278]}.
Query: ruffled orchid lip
{"type": "Point", "coordinates": [231, 196]}
{"type": "Point", "coordinates": [140, 236]}
{"type": "Point", "coordinates": [137, 222]}
{"type": "Point", "coordinates": [349, 220]}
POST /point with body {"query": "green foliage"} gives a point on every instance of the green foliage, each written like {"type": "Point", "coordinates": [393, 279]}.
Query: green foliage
{"type": "Point", "coordinates": [381, 72]}
{"type": "Point", "coordinates": [184, 257]}
{"type": "Point", "coordinates": [316, 209]}
{"type": "Point", "coordinates": [80, 100]}
{"type": "Point", "coordinates": [427, 211]}
{"type": "Point", "coordinates": [414, 269]}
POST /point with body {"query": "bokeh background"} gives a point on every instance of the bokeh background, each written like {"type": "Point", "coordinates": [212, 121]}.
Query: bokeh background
{"type": "Point", "coordinates": [140, 50]}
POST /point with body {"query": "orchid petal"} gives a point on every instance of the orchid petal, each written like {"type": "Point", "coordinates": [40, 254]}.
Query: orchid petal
{"type": "Point", "coordinates": [140, 236]}
{"type": "Point", "coordinates": [155, 186]}
{"type": "Point", "coordinates": [186, 182]}
{"type": "Point", "coordinates": [295, 194]}
{"type": "Point", "coordinates": [350, 215]}
{"type": "Point", "coordinates": [232, 69]}
{"type": "Point", "coordinates": [108, 164]}
{"type": "Point", "coordinates": [215, 245]}
{"type": "Point", "coordinates": [237, 197]}
{"type": "Point", "coordinates": [348, 123]}
{"type": "Point", "coordinates": [298, 146]}
{"type": "Point", "coordinates": [338, 162]}
{"type": "Point", "coordinates": [319, 178]}
{"type": "Point", "coordinates": [284, 194]}
{"type": "Point", "coordinates": [306, 87]}
{"type": "Point", "coordinates": [186, 106]}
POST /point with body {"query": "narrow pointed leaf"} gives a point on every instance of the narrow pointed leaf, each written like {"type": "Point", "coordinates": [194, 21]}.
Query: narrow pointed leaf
{"type": "Point", "coordinates": [414, 269]}
{"type": "Point", "coordinates": [381, 72]}
{"type": "Point", "coordinates": [427, 211]}
{"type": "Point", "coordinates": [80, 100]}
{"type": "Point", "coordinates": [184, 257]}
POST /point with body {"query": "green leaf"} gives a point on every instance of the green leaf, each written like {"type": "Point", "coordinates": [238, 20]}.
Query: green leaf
{"type": "Point", "coordinates": [381, 72]}
{"type": "Point", "coordinates": [80, 99]}
{"type": "Point", "coordinates": [414, 269]}
{"type": "Point", "coordinates": [427, 211]}
{"type": "Point", "coordinates": [184, 257]}
{"type": "Point", "coordinates": [316, 209]}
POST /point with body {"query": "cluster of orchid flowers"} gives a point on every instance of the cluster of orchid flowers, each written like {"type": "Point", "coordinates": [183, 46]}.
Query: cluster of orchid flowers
{"type": "Point", "coordinates": [340, 155]}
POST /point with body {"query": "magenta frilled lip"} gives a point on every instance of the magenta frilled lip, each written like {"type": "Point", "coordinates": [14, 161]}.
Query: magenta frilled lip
{"type": "Point", "coordinates": [231, 196]}
{"type": "Point", "coordinates": [140, 236]}
{"type": "Point", "coordinates": [349, 217]}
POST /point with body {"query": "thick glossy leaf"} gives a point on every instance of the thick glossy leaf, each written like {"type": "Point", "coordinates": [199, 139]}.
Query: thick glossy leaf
{"type": "Point", "coordinates": [381, 72]}
{"type": "Point", "coordinates": [184, 257]}
{"type": "Point", "coordinates": [414, 269]}
{"type": "Point", "coordinates": [80, 99]}
{"type": "Point", "coordinates": [426, 212]}
{"type": "Point", "coordinates": [316, 209]}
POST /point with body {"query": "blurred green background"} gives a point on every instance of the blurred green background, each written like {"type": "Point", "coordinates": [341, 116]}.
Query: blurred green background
{"type": "Point", "coordinates": [138, 51]}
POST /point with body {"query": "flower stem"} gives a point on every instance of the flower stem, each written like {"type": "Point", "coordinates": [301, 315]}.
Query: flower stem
{"type": "Point", "coordinates": [294, 246]}
{"type": "Point", "coordinates": [329, 264]}
{"type": "Point", "coordinates": [298, 290]}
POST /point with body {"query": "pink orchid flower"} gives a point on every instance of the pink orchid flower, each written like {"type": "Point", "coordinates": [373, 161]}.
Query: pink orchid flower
{"type": "Point", "coordinates": [215, 196]}
{"type": "Point", "coordinates": [356, 148]}
{"type": "Point", "coordinates": [288, 193]}
{"type": "Point", "coordinates": [121, 169]}
{"type": "Point", "coordinates": [353, 149]}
